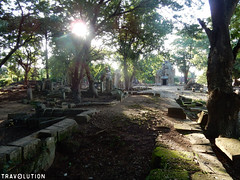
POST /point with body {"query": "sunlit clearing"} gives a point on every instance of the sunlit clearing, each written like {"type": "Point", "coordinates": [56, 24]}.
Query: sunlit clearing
{"type": "Point", "coordinates": [79, 28]}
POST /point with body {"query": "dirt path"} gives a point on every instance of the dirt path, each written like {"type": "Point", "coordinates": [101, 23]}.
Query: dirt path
{"type": "Point", "coordinates": [119, 141]}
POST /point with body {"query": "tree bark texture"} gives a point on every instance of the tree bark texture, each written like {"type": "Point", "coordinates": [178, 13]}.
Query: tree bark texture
{"type": "Point", "coordinates": [46, 55]}
{"type": "Point", "coordinates": [126, 76]}
{"type": "Point", "coordinates": [223, 104]}
{"type": "Point", "coordinates": [186, 77]}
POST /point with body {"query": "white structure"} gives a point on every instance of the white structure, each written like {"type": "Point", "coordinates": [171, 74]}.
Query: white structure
{"type": "Point", "coordinates": [165, 75]}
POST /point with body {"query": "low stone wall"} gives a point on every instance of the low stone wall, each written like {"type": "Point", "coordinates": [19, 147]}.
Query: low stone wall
{"type": "Point", "coordinates": [35, 152]}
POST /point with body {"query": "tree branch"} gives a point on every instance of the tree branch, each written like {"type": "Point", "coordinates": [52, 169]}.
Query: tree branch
{"type": "Point", "coordinates": [115, 14]}
{"type": "Point", "coordinates": [207, 30]}
{"type": "Point", "coordinates": [18, 45]}
{"type": "Point", "coordinates": [230, 7]}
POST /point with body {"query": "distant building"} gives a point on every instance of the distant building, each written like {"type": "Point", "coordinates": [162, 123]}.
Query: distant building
{"type": "Point", "coordinates": [165, 75]}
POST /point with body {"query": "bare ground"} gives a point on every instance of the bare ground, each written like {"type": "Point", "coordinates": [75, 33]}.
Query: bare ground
{"type": "Point", "coordinates": [118, 142]}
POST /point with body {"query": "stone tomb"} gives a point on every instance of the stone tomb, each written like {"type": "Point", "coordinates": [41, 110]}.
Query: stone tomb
{"type": "Point", "coordinates": [165, 75]}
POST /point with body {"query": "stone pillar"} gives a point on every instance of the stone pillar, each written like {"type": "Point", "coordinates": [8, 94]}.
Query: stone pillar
{"type": "Point", "coordinates": [102, 87]}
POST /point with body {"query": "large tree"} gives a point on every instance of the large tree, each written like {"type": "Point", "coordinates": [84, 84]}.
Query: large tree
{"type": "Point", "coordinates": [101, 16]}
{"type": "Point", "coordinates": [191, 47]}
{"type": "Point", "coordinates": [223, 104]}
{"type": "Point", "coordinates": [18, 25]}
{"type": "Point", "coordinates": [139, 33]}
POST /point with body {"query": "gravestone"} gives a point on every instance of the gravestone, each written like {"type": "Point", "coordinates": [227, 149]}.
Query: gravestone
{"type": "Point", "coordinates": [176, 113]}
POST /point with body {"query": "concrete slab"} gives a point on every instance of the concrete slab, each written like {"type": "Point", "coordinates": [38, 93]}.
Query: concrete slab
{"type": "Point", "coordinates": [30, 146]}
{"type": "Point", "coordinates": [198, 138]}
{"type": "Point", "coordinates": [12, 153]}
{"type": "Point", "coordinates": [202, 149]}
{"type": "Point", "coordinates": [67, 123]}
{"type": "Point", "coordinates": [231, 147]}
{"type": "Point", "coordinates": [204, 176]}
{"type": "Point", "coordinates": [210, 164]}
{"type": "Point", "coordinates": [46, 133]}
{"type": "Point", "coordinates": [64, 128]}
{"type": "Point", "coordinates": [187, 128]}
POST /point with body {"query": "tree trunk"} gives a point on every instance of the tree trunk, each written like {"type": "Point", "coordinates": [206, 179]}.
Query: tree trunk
{"type": "Point", "coordinates": [185, 77]}
{"type": "Point", "coordinates": [75, 83]}
{"type": "Point", "coordinates": [75, 77]}
{"type": "Point", "coordinates": [92, 90]}
{"type": "Point", "coordinates": [223, 104]}
{"type": "Point", "coordinates": [131, 79]}
{"type": "Point", "coordinates": [126, 76]}
{"type": "Point", "coordinates": [46, 55]}
{"type": "Point", "coordinates": [26, 77]}
{"type": "Point", "coordinates": [78, 71]}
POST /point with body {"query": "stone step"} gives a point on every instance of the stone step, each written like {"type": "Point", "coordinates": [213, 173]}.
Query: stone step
{"type": "Point", "coordinates": [209, 163]}
{"type": "Point", "coordinates": [187, 128]}
{"type": "Point", "coordinates": [231, 147]}
{"type": "Point", "coordinates": [198, 138]}
{"type": "Point", "coordinates": [202, 148]}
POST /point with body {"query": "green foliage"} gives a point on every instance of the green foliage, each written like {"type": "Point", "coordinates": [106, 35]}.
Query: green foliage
{"type": "Point", "coordinates": [235, 24]}
{"type": "Point", "coordinates": [202, 79]}
{"type": "Point", "coordinates": [98, 70]}
{"type": "Point", "coordinates": [140, 32]}
{"type": "Point", "coordinates": [3, 72]}
{"type": "Point", "coordinates": [59, 65]}
{"type": "Point", "coordinates": [148, 66]}
{"type": "Point", "coordinates": [5, 82]}
{"type": "Point", "coordinates": [236, 69]}
{"type": "Point", "coordinates": [191, 49]}
{"type": "Point", "coordinates": [235, 36]}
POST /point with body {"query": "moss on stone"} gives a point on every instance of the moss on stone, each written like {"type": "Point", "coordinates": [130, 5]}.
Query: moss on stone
{"type": "Point", "coordinates": [157, 174]}
{"type": "Point", "coordinates": [176, 162]}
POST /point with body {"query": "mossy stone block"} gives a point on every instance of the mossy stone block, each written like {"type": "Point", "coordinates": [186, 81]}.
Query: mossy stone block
{"type": "Point", "coordinates": [160, 174]}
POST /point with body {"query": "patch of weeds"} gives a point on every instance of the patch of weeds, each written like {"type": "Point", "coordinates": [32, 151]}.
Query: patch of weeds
{"type": "Point", "coordinates": [155, 98]}
{"type": "Point", "coordinates": [136, 106]}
